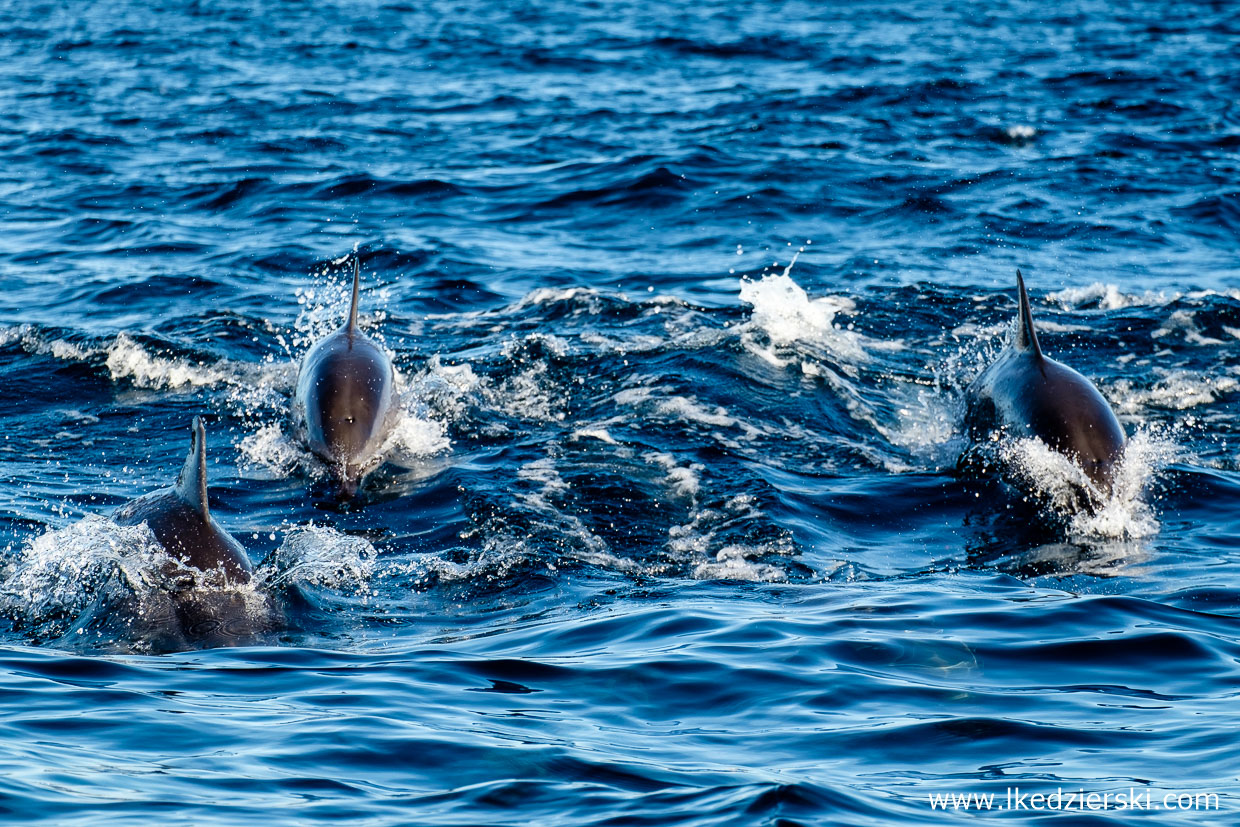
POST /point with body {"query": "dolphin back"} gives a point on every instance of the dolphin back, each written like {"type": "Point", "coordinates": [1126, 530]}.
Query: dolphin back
{"type": "Point", "coordinates": [180, 520]}
{"type": "Point", "coordinates": [345, 398]}
{"type": "Point", "coordinates": [1025, 393]}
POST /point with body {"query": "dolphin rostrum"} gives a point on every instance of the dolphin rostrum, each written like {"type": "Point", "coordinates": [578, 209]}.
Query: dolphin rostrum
{"type": "Point", "coordinates": [181, 522]}
{"type": "Point", "coordinates": [1025, 393]}
{"type": "Point", "coordinates": [345, 399]}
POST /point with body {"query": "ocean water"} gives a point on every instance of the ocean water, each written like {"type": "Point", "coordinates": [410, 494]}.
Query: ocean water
{"type": "Point", "coordinates": [671, 530]}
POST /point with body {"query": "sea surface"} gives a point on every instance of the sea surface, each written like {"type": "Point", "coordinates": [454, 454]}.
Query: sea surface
{"type": "Point", "coordinates": [671, 530]}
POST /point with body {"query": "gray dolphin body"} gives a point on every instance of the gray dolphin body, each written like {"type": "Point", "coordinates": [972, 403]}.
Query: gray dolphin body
{"type": "Point", "coordinates": [345, 399]}
{"type": "Point", "coordinates": [181, 614]}
{"type": "Point", "coordinates": [1027, 394]}
{"type": "Point", "coordinates": [181, 522]}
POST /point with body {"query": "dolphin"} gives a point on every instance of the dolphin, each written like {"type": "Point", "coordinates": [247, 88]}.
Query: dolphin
{"type": "Point", "coordinates": [1025, 393]}
{"type": "Point", "coordinates": [181, 522]}
{"type": "Point", "coordinates": [180, 615]}
{"type": "Point", "coordinates": [345, 399]}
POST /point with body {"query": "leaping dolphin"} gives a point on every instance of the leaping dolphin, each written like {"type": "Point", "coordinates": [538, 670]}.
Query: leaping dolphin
{"type": "Point", "coordinates": [345, 399]}
{"type": "Point", "coordinates": [181, 522]}
{"type": "Point", "coordinates": [1027, 394]}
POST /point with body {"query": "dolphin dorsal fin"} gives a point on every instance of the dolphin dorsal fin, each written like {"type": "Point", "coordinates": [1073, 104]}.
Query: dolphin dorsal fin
{"type": "Point", "coordinates": [192, 484]}
{"type": "Point", "coordinates": [1026, 336]}
{"type": "Point", "coordinates": [352, 326]}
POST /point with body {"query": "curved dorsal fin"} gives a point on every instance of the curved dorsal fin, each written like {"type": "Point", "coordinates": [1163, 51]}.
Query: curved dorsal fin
{"type": "Point", "coordinates": [1026, 336]}
{"type": "Point", "coordinates": [352, 326]}
{"type": "Point", "coordinates": [192, 484]}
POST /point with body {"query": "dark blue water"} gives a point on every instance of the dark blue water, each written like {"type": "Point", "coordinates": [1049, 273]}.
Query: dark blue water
{"type": "Point", "coordinates": [669, 534]}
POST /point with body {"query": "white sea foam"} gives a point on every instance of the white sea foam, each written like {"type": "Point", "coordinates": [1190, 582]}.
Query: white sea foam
{"type": "Point", "coordinates": [707, 546]}
{"type": "Point", "coordinates": [542, 485]}
{"type": "Point", "coordinates": [737, 562]}
{"type": "Point", "coordinates": [724, 427]}
{"type": "Point", "coordinates": [1107, 296]}
{"type": "Point", "coordinates": [629, 343]}
{"type": "Point", "coordinates": [683, 480]}
{"type": "Point", "coordinates": [66, 351]}
{"type": "Point", "coordinates": [1050, 326]}
{"type": "Point", "coordinates": [703, 544]}
{"type": "Point", "coordinates": [587, 297]}
{"type": "Point", "coordinates": [543, 471]}
{"type": "Point", "coordinates": [126, 359]}
{"type": "Point", "coordinates": [501, 553]}
{"type": "Point", "coordinates": [530, 395]}
{"type": "Point", "coordinates": [689, 409]}
{"type": "Point", "coordinates": [973, 330]}
{"type": "Point", "coordinates": [312, 555]}
{"type": "Point", "coordinates": [34, 341]}
{"type": "Point", "coordinates": [635, 396]}
{"type": "Point", "coordinates": [1176, 390]}
{"type": "Point", "coordinates": [1182, 323]}
{"type": "Point", "coordinates": [447, 390]}
{"type": "Point", "coordinates": [514, 348]}
{"type": "Point", "coordinates": [1057, 481]}
{"type": "Point", "coordinates": [601, 434]}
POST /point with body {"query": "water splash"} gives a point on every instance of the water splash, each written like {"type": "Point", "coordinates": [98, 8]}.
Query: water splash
{"type": "Point", "coordinates": [318, 556]}
{"type": "Point", "coordinates": [1057, 483]}
{"type": "Point", "coordinates": [792, 327]}
{"type": "Point", "coordinates": [59, 574]}
{"type": "Point", "coordinates": [270, 453]}
{"type": "Point", "coordinates": [99, 583]}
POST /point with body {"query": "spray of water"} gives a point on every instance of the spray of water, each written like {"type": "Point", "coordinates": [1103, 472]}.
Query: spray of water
{"type": "Point", "coordinates": [1059, 485]}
